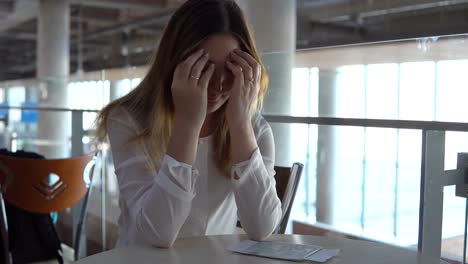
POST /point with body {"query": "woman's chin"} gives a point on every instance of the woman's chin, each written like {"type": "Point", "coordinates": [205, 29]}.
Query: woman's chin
{"type": "Point", "coordinates": [214, 106]}
{"type": "Point", "coordinates": [211, 108]}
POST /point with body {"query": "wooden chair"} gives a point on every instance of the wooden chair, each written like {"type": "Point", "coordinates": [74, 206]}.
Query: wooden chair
{"type": "Point", "coordinates": [287, 180]}
{"type": "Point", "coordinates": [46, 185]}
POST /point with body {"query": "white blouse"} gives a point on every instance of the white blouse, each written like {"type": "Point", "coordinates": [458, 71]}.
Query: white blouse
{"type": "Point", "coordinates": [182, 200]}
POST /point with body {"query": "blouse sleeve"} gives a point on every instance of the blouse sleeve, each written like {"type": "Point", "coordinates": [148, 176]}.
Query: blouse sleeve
{"type": "Point", "coordinates": [158, 202]}
{"type": "Point", "coordinates": [259, 208]}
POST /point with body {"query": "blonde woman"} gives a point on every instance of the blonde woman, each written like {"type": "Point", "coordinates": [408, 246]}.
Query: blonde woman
{"type": "Point", "coordinates": [191, 152]}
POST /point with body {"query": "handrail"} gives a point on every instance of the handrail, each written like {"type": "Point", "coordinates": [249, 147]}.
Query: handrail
{"type": "Point", "coordinates": [51, 109]}
{"type": "Point", "coordinates": [362, 122]}
{"type": "Point", "coordinates": [332, 121]}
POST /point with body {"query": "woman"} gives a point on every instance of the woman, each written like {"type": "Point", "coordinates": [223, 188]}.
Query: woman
{"type": "Point", "coordinates": [191, 152]}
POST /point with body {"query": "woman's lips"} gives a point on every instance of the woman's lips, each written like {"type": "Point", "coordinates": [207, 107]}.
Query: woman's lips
{"type": "Point", "coordinates": [213, 98]}
{"type": "Point", "coordinates": [212, 102]}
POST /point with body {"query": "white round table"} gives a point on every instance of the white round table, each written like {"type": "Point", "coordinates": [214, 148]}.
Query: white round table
{"type": "Point", "coordinates": [213, 249]}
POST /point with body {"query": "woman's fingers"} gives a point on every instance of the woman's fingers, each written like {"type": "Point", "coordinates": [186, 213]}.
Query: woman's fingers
{"type": "Point", "coordinates": [184, 69]}
{"type": "Point", "coordinates": [236, 71]}
{"type": "Point", "coordinates": [206, 76]}
{"type": "Point", "coordinates": [246, 68]}
{"type": "Point", "coordinates": [197, 69]}
{"type": "Point", "coordinates": [251, 61]}
{"type": "Point", "coordinates": [187, 94]}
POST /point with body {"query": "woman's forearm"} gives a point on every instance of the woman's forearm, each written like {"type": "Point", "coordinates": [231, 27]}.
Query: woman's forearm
{"type": "Point", "coordinates": [243, 142]}
{"type": "Point", "coordinates": [258, 206]}
{"type": "Point", "coordinates": [183, 142]}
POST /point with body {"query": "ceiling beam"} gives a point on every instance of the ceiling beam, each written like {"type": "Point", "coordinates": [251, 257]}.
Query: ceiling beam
{"type": "Point", "coordinates": [157, 19]}
{"type": "Point", "coordinates": [93, 21]}
{"type": "Point", "coordinates": [346, 11]}
{"type": "Point", "coordinates": [126, 5]}
{"type": "Point", "coordinates": [395, 28]}
{"type": "Point", "coordinates": [24, 11]}
{"type": "Point", "coordinates": [134, 48]}
{"type": "Point", "coordinates": [18, 35]}
{"type": "Point", "coordinates": [6, 7]}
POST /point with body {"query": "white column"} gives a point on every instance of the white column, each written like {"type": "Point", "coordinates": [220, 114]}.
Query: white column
{"type": "Point", "coordinates": [53, 60]}
{"type": "Point", "coordinates": [31, 96]}
{"type": "Point", "coordinates": [326, 147]}
{"type": "Point", "coordinates": [274, 28]}
{"type": "Point", "coordinates": [114, 93]}
{"type": "Point", "coordinates": [118, 88]}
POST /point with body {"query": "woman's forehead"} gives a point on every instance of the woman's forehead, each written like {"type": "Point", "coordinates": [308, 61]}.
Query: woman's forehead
{"type": "Point", "coordinates": [219, 47]}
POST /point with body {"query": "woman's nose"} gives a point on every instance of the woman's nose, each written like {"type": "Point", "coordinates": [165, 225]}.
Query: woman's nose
{"type": "Point", "coordinates": [216, 83]}
{"type": "Point", "coordinates": [221, 82]}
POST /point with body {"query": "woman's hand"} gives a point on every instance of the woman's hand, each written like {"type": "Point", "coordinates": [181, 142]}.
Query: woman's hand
{"type": "Point", "coordinates": [189, 88]}
{"type": "Point", "coordinates": [244, 91]}
{"type": "Point", "coordinates": [246, 71]}
{"type": "Point", "coordinates": [189, 94]}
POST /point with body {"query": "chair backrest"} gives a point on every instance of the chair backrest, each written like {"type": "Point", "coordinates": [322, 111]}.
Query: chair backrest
{"type": "Point", "coordinates": [287, 180]}
{"type": "Point", "coordinates": [45, 185]}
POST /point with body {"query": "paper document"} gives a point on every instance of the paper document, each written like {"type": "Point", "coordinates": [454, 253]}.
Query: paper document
{"type": "Point", "coordinates": [284, 251]}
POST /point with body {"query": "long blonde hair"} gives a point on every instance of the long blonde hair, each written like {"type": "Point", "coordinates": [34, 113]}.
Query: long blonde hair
{"type": "Point", "coordinates": [150, 103]}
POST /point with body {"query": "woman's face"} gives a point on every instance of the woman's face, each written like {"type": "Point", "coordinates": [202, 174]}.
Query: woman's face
{"type": "Point", "coordinates": [219, 47]}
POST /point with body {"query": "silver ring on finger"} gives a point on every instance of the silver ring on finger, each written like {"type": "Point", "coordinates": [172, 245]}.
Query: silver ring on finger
{"type": "Point", "coordinates": [194, 77]}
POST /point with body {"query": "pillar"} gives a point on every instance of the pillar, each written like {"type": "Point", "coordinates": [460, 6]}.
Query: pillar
{"type": "Point", "coordinates": [31, 96]}
{"type": "Point", "coordinates": [118, 88]}
{"type": "Point", "coordinates": [273, 23]}
{"type": "Point", "coordinates": [326, 147]}
{"type": "Point", "coordinates": [53, 59]}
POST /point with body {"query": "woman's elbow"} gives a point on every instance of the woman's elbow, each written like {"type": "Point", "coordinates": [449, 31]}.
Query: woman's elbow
{"type": "Point", "coordinates": [259, 234]}
{"type": "Point", "coordinates": [262, 231]}
{"type": "Point", "coordinates": [164, 242]}
{"type": "Point", "coordinates": [157, 237]}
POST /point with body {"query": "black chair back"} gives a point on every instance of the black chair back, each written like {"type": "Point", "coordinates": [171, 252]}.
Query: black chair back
{"type": "Point", "coordinates": [287, 180]}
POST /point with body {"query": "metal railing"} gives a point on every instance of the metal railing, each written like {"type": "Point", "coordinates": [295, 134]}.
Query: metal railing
{"type": "Point", "coordinates": [433, 176]}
